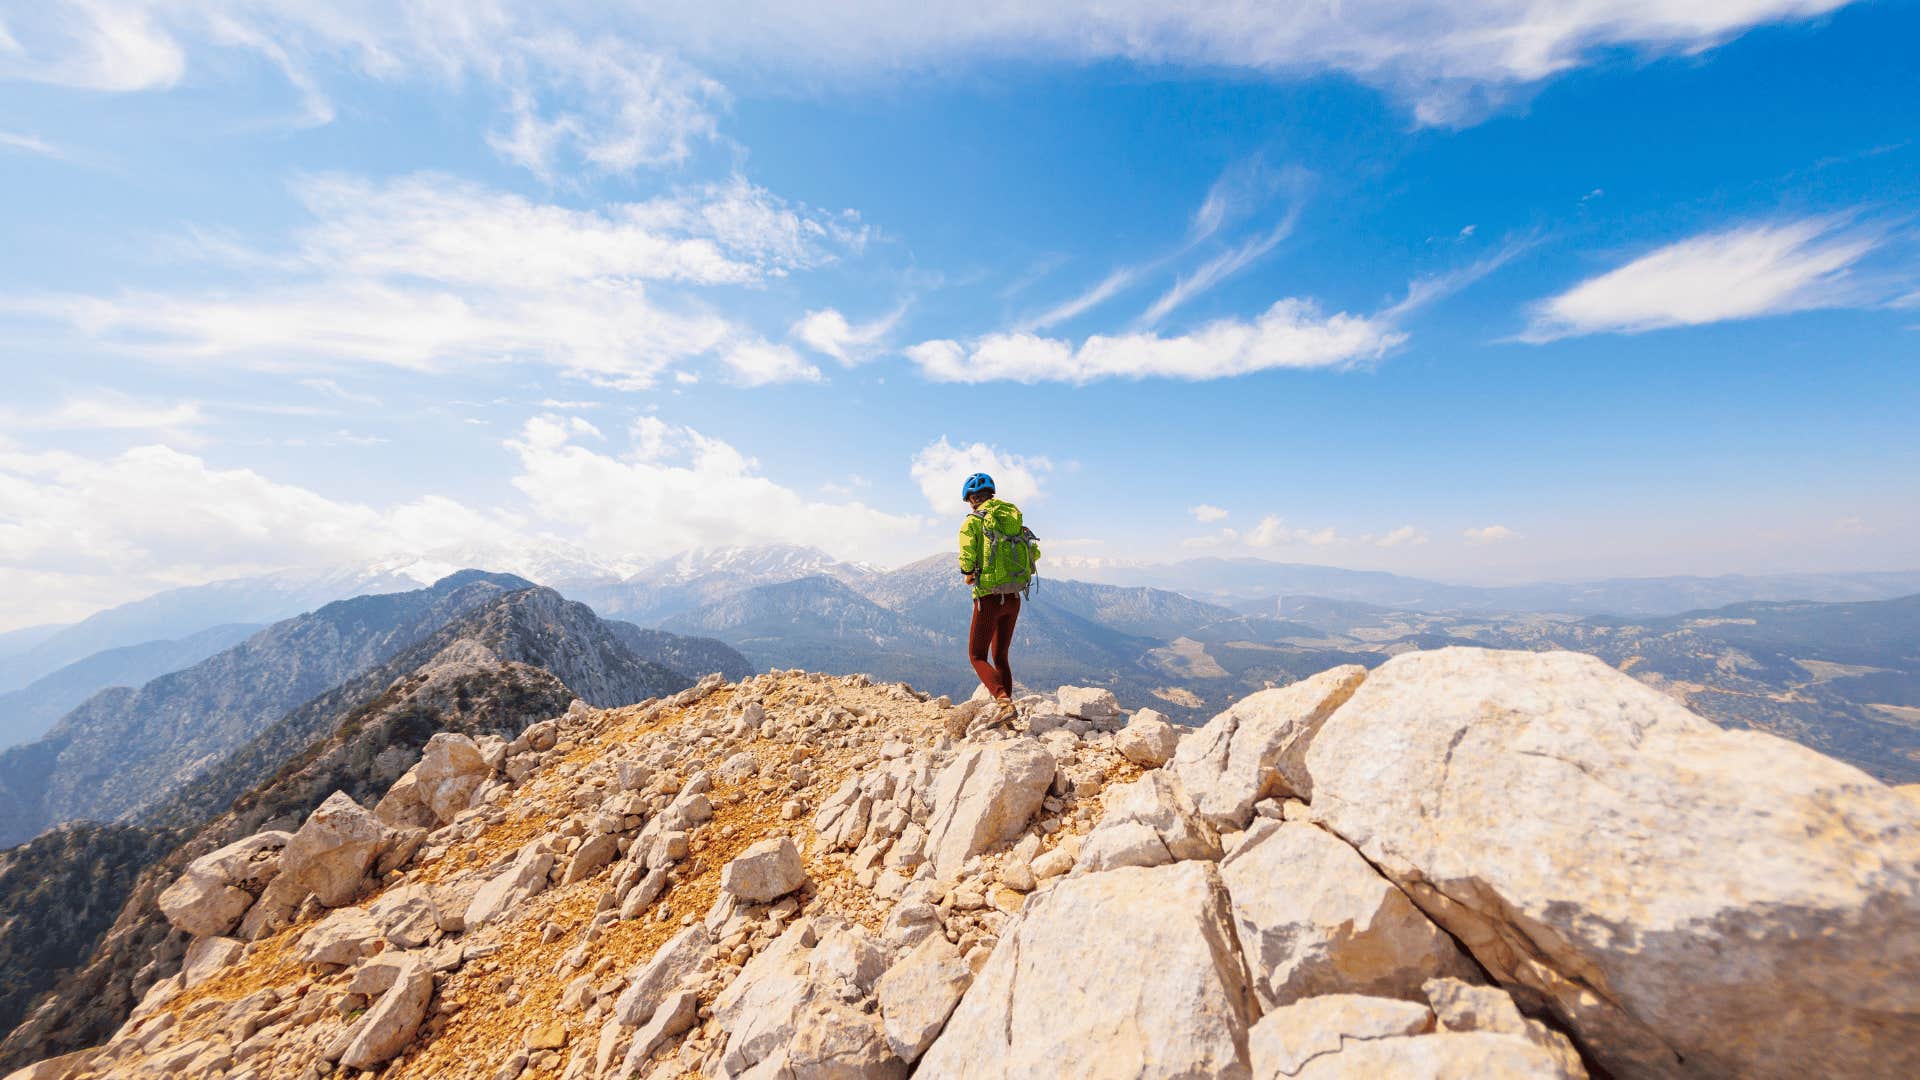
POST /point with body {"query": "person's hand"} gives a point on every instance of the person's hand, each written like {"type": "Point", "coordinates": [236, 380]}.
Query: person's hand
{"type": "Point", "coordinates": [969, 578]}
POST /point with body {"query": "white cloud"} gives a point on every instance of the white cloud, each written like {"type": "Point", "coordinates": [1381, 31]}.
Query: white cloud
{"type": "Point", "coordinates": [760, 363]}
{"type": "Point", "coordinates": [1740, 273]}
{"type": "Point", "coordinates": [941, 468]}
{"type": "Point", "coordinates": [1215, 270]}
{"type": "Point", "coordinates": [679, 489]}
{"type": "Point", "coordinates": [1207, 514]}
{"type": "Point", "coordinates": [90, 45]}
{"type": "Point", "coordinates": [1238, 191]}
{"type": "Point", "coordinates": [429, 273]}
{"type": "Point", "coordinates": [1106, 289]}
{"type": "Point", "coordinates": [1489, 534]}
{"type": "Point", "coordinates": [572, 90]}
{"type": "Point", "coordinates": [1448, 57]}
{"type": "Point", "coordinates": [1290, 334]}
{"type": "Point", "coordinates": [78, 533]}
{"type": "Point", "coordinates": [828, 332]}
{"type": "Point", "coordinates": [1273, 531]}
{"type": "Point", "coordinates": [106, 411]}
{"type": "Point", "coordinates": [605, 87]}
{"type": "Point", "coordinates": [1404, 536]}
{"type": "Point", "coordinates": [31, 144]}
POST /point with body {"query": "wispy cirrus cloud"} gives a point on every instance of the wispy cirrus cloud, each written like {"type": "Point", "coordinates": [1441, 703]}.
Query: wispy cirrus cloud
{"type": "Point", "coordinates": [571, 89]}
{"type": "Point", "coordinates": [32, 144]}
{"type": "Point", "coordinates": [428, 273]}
{"type": "Point", "coordinates": [1744, 272]}
{"type": "Point", "coordinates": [1241, 190]}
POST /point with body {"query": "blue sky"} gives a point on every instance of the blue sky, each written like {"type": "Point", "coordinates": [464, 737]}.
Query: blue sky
{"type": "Point", "coordinates": [1484, 292]}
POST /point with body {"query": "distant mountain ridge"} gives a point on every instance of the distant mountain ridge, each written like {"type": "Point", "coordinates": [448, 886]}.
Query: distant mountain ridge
{"type": "Point", "coordinates": [126, 748]}
{"type": "Point", "coordinates": [1250, 584]}
{"type": "Point", "coordinates": [521, 655]}
{"type": "Point", "coordinates": [27, 713]}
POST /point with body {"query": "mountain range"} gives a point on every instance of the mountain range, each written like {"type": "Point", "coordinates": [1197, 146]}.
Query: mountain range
{"type": "Point", "coordinates": [476, 653]}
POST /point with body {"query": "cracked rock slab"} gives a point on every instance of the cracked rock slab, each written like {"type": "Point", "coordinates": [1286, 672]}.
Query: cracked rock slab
{"type": "Point", "coordinates": [1685, 900]}
{"type": "Point", "coordinates": [1124, 974]}
{"type": "Point", "coordinates": [1257, 748]}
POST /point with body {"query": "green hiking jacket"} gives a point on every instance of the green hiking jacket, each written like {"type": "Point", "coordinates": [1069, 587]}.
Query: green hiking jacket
{"type": "Point", "coordinates": [1011, 563]}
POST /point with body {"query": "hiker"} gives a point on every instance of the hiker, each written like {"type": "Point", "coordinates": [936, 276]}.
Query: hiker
{"type": "Point", "coordinates": [997, 557]}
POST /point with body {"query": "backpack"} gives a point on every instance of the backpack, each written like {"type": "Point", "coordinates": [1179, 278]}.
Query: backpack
{"type": "Point", "coordinates": [1008, 564]}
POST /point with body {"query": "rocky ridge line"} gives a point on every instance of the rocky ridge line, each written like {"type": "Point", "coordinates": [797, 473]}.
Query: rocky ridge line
{"type": "Point", "coordinates": [1466, 863]}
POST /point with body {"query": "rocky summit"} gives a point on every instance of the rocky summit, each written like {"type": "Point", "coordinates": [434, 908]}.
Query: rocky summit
{"type": "Point", "coordinates": [1464, 863]}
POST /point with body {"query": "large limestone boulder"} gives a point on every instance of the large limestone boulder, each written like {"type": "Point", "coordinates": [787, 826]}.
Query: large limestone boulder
{"type": "Point", "coordinates": [918, 993]}
{"type": "Point", "coordinates": [1129, 973]}
{"type": "Point", "coordinates": [667, 968]}
{"type": "Point", "coordinates": [524, 878]}
{"type": "Point", "coordinates": [803, 1008]}
{"type": "Point", "coordinates": [1686, 900]}
{"type": "Point", "coordinates": [1256, 748]}
{"type": "Point", "coordinates": [209, 898]}
{"type": "Point", "coordinates": [1478, 1035]}
{"type": "Point", "coordinates": [330, 854]}
{"type": "Point", "coordinates": [1088, 703]}
{"type": "Point", "coordinates": [1314, 918]}
{"type": "Point", "coordinates": [1146, 823]}
{"type": "Point", "coordinates": [387, 1027]}
{"type": "Point", "coordinates": [250, 862]}
{"type": "Point", "coordinates": [983, 797]}
{"type": "Point", "coordinates": [1286, 1039]}
{"type": "Point", "coordinates": [1148, 740]}
{"type": "Point", "coordinates": [765, 871]}
{"type": "Point", "coordinates": [203, 904]}
{"type": "Point", "coordinates": [440, 785]}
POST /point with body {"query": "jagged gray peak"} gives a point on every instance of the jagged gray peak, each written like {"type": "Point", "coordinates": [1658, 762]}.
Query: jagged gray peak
{"type": "Point", "coordinates": [124, 749]}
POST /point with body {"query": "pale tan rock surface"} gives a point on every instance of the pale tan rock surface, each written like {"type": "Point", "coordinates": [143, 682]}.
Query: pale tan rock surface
{"type": "Point", "coordinates": [390, 1024]}
{"type": "Point", "coordinates": [330, 854]}
{"type": "Point", "coordinates": [1687, 900]}
{"type": "Point", "coordinates": [1147, 740]}
{"type": "Point", "coordinates": [766, 871]}
{"type": "Point", "coordinates": [607, 946]}
{"type": "Point", "coordinates": [985, 796]}
{"type": "Point", "coordinates": [1126, 973]}
{"type": "Point", "coordinates": [918, 993]}
{"type": "Point", "coordinates": [1287, 1038]}
{"type": "Point", "coordinates": [1255, 749]}
{"type": "Point", "coordinates": [1313, 918]}
{"type": "Point", "coordinates": [1147, 822]}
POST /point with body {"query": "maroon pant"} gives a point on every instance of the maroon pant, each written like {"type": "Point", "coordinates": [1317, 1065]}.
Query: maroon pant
{"type": "Point", "coordinates": [989, 638]}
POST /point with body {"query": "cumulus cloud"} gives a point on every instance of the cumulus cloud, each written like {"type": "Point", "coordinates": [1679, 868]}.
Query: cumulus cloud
{"type": "Point", "coordinates": [1291, 334]}
{"type": "Point", "coordinates": [828, 332]}
{"type": "Point", "coordinates": [1404, 536]}
{"type": "Point", "coordinates": [78, 533]}
{"type": "Point", "coordinates": [941, 468]}
{"type": "Point", "coordinates": [429, 273]}
{"type": "Point", "coordinates": [1739, 273]}
{"type": "Point", "coordinates": [1489, 534]}
{"type": "Point", "coordinates": [1207, 514]}
{"type": "Point", "coordinates": [760, 363]}
{"type": "Point", "coordinates": [676, 488]}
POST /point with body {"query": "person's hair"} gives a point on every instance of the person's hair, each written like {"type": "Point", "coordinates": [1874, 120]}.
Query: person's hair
{"type": "Point", "coordinates": [983, 494]}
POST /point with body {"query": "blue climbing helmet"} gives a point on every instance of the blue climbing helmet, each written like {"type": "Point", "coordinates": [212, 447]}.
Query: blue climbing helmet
{"type": "Point", "coordinates": [976, 484]}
